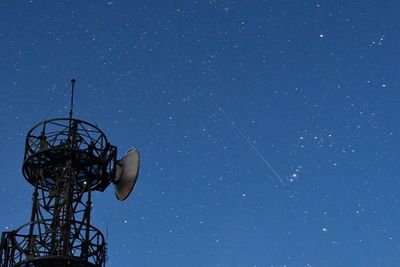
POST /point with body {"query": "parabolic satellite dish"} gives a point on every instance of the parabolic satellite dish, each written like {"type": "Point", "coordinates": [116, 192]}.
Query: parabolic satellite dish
{"type": "Point", "coordinates": [126, 173]}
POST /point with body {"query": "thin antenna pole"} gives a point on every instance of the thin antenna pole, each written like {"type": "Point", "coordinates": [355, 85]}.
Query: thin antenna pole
{"type": "Point", "coordinates": [72, 98]}
{"type": "Point", "coordinates": [107, 233]}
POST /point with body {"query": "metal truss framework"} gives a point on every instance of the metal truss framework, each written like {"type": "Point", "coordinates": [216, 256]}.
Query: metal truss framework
{"type": "Point", "coordinates": [65, 160]}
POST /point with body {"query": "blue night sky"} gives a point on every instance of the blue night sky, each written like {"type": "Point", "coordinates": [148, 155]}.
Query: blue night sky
{"type": "Point", "coordinates": [223, 99]}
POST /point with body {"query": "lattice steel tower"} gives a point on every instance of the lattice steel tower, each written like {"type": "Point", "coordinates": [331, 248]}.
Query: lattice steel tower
{"type": "Point", "coordinates": [65, 160]}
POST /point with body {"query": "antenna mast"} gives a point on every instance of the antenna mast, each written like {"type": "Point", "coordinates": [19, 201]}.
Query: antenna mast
{"type": "Point", "coordinates": [72, 98]}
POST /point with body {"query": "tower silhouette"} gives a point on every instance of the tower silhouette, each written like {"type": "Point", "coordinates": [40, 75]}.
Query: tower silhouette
{"type": "Point", "coordinates": [65, 160]}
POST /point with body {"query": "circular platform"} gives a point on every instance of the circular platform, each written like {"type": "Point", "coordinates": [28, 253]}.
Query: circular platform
{"type": "Point", "coordinates": [51, 261]}
{"type": "Point", "coordinates": [83, 246]}
{"type": "Point", "coordinates": [68, 147]}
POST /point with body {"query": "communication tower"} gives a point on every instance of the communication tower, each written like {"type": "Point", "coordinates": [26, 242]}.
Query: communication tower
{"type": "Point", "coordinates": [65, 160]}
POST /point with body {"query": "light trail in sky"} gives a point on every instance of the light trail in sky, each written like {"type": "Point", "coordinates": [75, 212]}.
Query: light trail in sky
{"type": "Point", "coordinates": [248, 142]}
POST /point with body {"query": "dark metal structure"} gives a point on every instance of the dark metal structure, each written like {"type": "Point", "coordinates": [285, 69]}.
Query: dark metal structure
{"type": "Point", "coordinates": [65, 160]}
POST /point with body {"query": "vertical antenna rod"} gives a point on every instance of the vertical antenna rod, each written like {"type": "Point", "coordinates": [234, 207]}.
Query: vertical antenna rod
{"type": "Point", "coordinates": [72, 98]}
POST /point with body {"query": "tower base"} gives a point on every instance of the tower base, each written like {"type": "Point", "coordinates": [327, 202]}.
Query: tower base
{"type": "Point", "coordinates": [59, 261]}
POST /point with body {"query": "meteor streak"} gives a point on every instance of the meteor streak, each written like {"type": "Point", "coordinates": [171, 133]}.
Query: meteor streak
{"type": "Point", "coordinates": [248, 142]}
